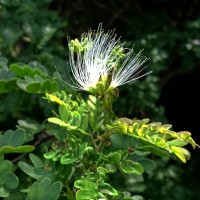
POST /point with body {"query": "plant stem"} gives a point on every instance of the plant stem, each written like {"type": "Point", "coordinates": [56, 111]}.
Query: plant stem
{"type": "Point", "coordinates": [93, 141]}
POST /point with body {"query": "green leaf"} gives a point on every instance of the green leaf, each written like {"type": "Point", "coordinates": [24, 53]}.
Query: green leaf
{"type": "Point", "coordinates": [3, 84]}
{"type": "Point", "coordinates": [135, 127]}
{"type": "Point", "coordinates": [10, 180]}
{"type": "Point", "coordinates": [113, 157]}
{"type": "Point", "coordinates": [117, 141]}
{"type": "Point", "coordinates": [53, 86]}
{"type": "Point", "coordinates": [92, 99]}
{"type": "Point", "coordinates": [63, 112]}
{"type": "Point", "coordinates": [106, 188]}
{"type": "Point", "coordinates": [123, 142]}
{"type": "Point", "coordinates": [31, 126]}
{"type": "Point", "coordinates": [28, 71]}
{"type": "Point", "coordinates": [155, 150]}
{"type": "Point", "coordinates": [130, 167]}
{"type": "Point", "coordinates": [125, 120]}
{"type": "Point", "coordinates": [20, 149]}
{"type": "Point", "coordinates": [29, 85]}
{"type": "Point", "coordinates": [28, 169]}
{"type": "Point", "coordinates": [84, 122]}
{"type": "Point", "coordinates": [177, 143]}
{"type": "Point", "coordinates": [54, 191]}
{"type": "Point", "coordinates": [81, 149]}
{"type": "Point", "coordinates": [49, 86]}
{"type": "Point", "coordinates": [5, 166]}
{"type": "Point", "coordinates": [184, 134]}
{"type": "Point", "coordinates": [86, 194]}
{"type": "Point", "coordinates": [6, 138]}
{"type": "Point", "coordinates": [22, 84]}
{"type": "Point", "coordinates": [18, 70]}
{"type": "Point", "coordinates": [67, 125]}
{"type": "Point", "coordinates": [186, 153]}
{"type": "Point", "coordinates": [60, 122]}
{"type": "Point", "coordinates": [46, 85]}
{"type": "Point", "coordinates": [43, 172]}
{"type": "Point", "coordinates": [33, 87]}
{"type": "Point", "coordinates": [101, 171]}
{"type": "Point", "coordinates": [50, 154]}
{"type": "Point", "coordinates": [110, 168]}
{"type": "Point", "coordinates": [57, 121]}
{"type": "Point", "coordinates": [147, 164]}
{"type": "Point", "coordinates": [192, 142]}
{"type": "Point", "coordinates": [38, 78]}
{"type": "Point", "coordinates": [54, 98]}
{"type": "Point", "coordinates": [37, 162]}
{"type": "Point", "coordinates": [84, 184]}
{"type": "Point", "coordinates": [67, 159]}
{"type": "Point", "coordinates": [76, 119]}
{"type": "Point", "coordinates": [137, 197]}
{"type": "Point", "coordinates": [44, 190]}
{"type": "Point", "coordinates": [181, 153]}
{"type": "Point", "coordinates": [4, 192]}
{"type": "Point", "coordinates": [18, 138]}
{"type": "Point", "coordinates": [142, 131]}
{"type": "Point", "coordinates": [124, 128]}
{"type": "Point", "coordinates": [58, 131]}
{"type": "Point", "coordinates": [158, 141]}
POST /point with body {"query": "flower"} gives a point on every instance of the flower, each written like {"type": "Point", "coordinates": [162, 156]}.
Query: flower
{"type": "Point", "coordinates": [90, 62]}
{"type": "Point", "coordinates": [99, 62]}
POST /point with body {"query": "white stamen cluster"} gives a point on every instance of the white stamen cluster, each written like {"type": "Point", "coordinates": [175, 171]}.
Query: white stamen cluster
{"type": "Point", "coordinates": [89, 65]}
{"type": "Point", "coordinates": [128, 71]}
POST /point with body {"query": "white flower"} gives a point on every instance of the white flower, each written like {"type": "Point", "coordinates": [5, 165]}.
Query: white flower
{"type": "Point", "coordinates": [89, 66]}
{"type": "Point", "coordinates": [99, 57]}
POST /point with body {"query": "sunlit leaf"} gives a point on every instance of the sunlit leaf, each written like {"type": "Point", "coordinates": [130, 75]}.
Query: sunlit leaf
{"type": "Point", "coordinates": [84, 184]}
{"type": "Point", "coordinates": [20, 149]}
{"type": "Point", "coordinates": [181, 153]}
{"type": "Point", "coordinates": [55, 99]}
{"type": "Point", "coordinates": [67, 159]}
{"type": "Point", "coordinates": [86, 194]}
{"type": "Point", "coordinates": [106, 188]}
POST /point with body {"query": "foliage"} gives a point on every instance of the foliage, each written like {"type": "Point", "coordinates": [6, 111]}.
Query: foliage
{"type": "Point", "coordinates": [57, 143]}
{"type": "Point", "coordinates": [85, 142]}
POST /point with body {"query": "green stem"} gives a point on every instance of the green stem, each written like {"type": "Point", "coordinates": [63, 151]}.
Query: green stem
{"type": "Point", "coordinates": [70, 194]}
{"type": "Point", "coordinates": [93, 141]}
{"type": "Point", "coordinates": [107, 104]}
{"type": "Point", "coordinates": [105, 137]}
